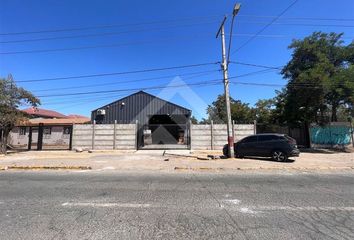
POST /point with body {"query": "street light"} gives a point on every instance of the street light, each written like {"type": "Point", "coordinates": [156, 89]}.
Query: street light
{"type": "Point", "coordinates": [236, 9]}
{"type": "Point", "coordinates": [234, 13]}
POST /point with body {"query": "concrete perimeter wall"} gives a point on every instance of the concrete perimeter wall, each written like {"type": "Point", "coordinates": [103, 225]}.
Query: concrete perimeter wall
{"type": "Point", "coordinates": [105, 136]}
{"type": "Point", "coordinates": [101, 136]}
{"type": "Point", "coordinates": [214, 136]}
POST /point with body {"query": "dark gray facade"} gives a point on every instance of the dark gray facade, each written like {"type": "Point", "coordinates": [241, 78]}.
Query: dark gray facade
{"type": "Point", "coordinates": [140, 106]}
{"type": "Point", "coordinates": [159, 123]}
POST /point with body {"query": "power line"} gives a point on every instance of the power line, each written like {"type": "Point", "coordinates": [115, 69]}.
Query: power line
{"type": "Point", "coordinates": [138, 80]}
{"type": "Point", "coordinates": [301, 24]}
{"type": "Point", "coordinates": [118, 73]}
{"type": "Point", "coordinates": [153, 87]}
{"type": "Point", "coordinates": [265, 27]}
{"type": "Point", "coordinates": [240, 76]}
{"type": "Point", "coordinates": [107, 95]}
{"type": "Point", "coordinates": [300, 18]}
{"type": "Point", "coordinates": [102, 34]}
{"type": "Point", "coordinates": [203, 83]}
{"type": "Point", "coordinates": [110, 95]}
{"type": "Point", "coordinates": [273, 35]}
{"type": "Point", "coordinates": [107, 26]}
{"type": "Point", "coordinates": [211, 82]}
{"type": "Point", "coordinates": [156, 29]}
{"type": "Point", "coordinates": [73, 29]}
{"type": "Point", "coordinates": [255, 73]}
{"type": "Point", "coordinates": [84, 98]}
{"type": "Point", "coordinates": [161, 77]}
{"type": "Point", "coordinates": [290, 85]}
{"type": "Point", "coordinates": [127, 81]}
{"type": "Point", "coordinates": [95, 97]}
{"type": "Point", "coordinates": [99, 46]}
{"type": "Point", "coordinates": [255, 65]}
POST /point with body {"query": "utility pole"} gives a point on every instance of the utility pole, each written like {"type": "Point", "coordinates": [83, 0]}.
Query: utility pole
{"type": "Point", "coordinates": [224, 67]}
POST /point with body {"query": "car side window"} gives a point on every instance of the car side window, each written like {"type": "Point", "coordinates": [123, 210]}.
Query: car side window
{"type": "Point", "coordinates": [263, 138]}
{"type": "Point", "coordinates": [276, 137]}
{"type": "Point", "coordinates": [250, 139]}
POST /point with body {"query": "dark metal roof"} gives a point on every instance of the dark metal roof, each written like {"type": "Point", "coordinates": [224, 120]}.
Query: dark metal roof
{"type": "Point", "coordinates": [138, 106]}
{"type": "Point", "coordinates": [144, 93]}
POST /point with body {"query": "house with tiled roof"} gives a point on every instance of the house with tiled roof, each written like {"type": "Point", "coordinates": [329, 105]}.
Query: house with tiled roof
{"type": "Point", "coordinates": [44, 129]}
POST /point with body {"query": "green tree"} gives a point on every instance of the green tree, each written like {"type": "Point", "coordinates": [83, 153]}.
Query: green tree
{"type": "Point", "coordinates": [194, 120]}
{"type": "Point", "coordinates": [265, 110]}
{"type": "Point", "coordinates": [240, 112]}
{"type": "Point", "coordinates": [11, 97]}
{"type": "Point", "coordinates": [318, 79]}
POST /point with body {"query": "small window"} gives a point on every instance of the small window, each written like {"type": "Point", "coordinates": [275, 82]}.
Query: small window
{"type": "Point", "coordinates": [47, 130]}
{"type": "Point", "coordinates": [67, 130]}
{"type": "Point", "coordinates": [250, 139]}
{"type": "Point", "coordinates": [22, 131]}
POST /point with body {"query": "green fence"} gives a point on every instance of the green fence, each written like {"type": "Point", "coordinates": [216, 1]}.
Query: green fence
{"type": "Point", "coordinates": [330, 135]}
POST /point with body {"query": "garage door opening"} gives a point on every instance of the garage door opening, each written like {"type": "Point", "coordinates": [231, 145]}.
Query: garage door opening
{"type": "Point", "coordinates": [166, 132]}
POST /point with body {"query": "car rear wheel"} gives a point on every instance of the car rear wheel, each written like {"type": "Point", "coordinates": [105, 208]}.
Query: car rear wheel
{"type": "Point", "coordinates": [279, 156]}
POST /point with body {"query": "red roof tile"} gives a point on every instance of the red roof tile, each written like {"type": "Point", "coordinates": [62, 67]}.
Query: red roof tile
{"type": "Point", "coordinates": [43, 113]}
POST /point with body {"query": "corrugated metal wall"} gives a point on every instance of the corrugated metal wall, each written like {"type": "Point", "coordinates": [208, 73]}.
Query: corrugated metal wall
{"type": "Point", "coordinates": [139, 106]}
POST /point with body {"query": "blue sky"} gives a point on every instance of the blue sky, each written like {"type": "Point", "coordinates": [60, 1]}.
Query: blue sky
{"type": "Point", "coordinates": [154, 34]}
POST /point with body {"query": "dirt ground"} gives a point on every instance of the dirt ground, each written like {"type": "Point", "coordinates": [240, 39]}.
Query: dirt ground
{"type": "Point", "coordinates": [182, 160]}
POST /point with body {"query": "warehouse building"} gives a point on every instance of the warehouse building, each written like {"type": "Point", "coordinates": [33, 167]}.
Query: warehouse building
{"type": "Point", "coordinates": [160, 123]}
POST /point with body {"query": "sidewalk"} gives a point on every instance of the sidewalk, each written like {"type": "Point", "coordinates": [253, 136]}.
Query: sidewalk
{"type": "Point", "coordinates": [153, 160]}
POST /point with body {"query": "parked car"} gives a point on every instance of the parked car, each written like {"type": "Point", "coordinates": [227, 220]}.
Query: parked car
{"type": "Point", "coordinates": [277, 146]}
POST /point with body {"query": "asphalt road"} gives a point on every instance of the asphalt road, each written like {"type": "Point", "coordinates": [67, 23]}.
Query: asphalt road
{"type": "Point", "coordinates": [101, 205]}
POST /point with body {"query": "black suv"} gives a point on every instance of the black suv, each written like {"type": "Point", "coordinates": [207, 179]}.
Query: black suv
{"type": "Point", "coordinates": [277, 146]}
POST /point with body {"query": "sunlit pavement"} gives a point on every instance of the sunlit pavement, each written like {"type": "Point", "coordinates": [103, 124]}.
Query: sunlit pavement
{"type": "Point", "coordinates": [104, 205]}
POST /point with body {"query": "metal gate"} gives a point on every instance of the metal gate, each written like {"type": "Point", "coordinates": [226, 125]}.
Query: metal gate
{"type": "Point", "coordinates": [58, 137]}
{"type": "Point", "coordinates": [164, 136]}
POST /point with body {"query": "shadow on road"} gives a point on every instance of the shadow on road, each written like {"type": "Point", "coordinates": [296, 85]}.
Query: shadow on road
{"type": "Point", "coordinates": [267, 159]}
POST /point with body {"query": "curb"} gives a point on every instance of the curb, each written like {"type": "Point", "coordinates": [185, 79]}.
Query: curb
{"type": "Point", "coordinates": [45, 168]}
{"type": "Point", "coordinates": [261, 169]}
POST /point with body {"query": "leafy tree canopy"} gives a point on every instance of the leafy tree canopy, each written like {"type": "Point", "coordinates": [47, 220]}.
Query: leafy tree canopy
{"type": "Point", "coordinates": [11, 98]}
{"type": "Point", "coordinates": [240, 112]}
{"type": "Point", "coordinates": [320, 79]}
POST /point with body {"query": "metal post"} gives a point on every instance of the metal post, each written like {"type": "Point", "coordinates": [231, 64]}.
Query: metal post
{"type": "Point", "coordinates": [40, 137]}
{"type": "Point", "coordinates": [114, 134]}
{"type": "Point", "coordinates": [190, 134]}
{"type": "Point", "coordinates": [30, 138]}
{"type": "Point", "coordinates": [212, 135]}
{"type": "Point", "coordinates": [71, 137]}
{"type": "Point", "coordinates": [233, 128]}
{"type": "Point", "coordinates": [255, 126]}
{"type": "Point", "coordinates": [137, 134]}
{"type": "Point", "coordinates": [93, 135]}
{"type": "Point", "coordinates": [224, 67]}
